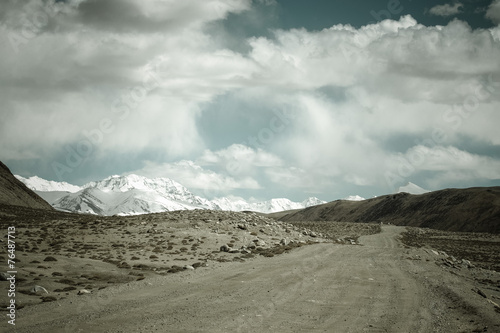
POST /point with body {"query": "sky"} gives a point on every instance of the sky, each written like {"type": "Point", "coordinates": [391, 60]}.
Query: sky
{"type": "Point", "coordinates": [253, 98]}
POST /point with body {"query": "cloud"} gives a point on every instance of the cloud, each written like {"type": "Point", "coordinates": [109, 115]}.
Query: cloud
{"type": "Point", "coordinates": [240, 159]}
{"type": "Point", "coordinates": [308, 110]}
{"type": "Point", "coordinates": [87, 62]}
{"type": "Point", "coordinates": [446, 9]}
{"type": "Point", "coordinates": [194, 176]}
{"type": "Point", "coordinates": [493, 12]}
{"type": "Point", "coordinates": [447, 164]}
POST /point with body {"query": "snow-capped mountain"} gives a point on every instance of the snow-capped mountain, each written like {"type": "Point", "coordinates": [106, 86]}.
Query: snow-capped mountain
{"type": "Point", "coordinates": [268, 206]}
{"type": "Point", "coordinates": [312, 201]}
{"type": "Point", "coordinates": [412, 189]}
{"type": "Point", "coordinates": [354, 198]}
{"type": "Point", "coordinates": [39, 184]}
{"type": "Point", "coordinates": [133, 194]}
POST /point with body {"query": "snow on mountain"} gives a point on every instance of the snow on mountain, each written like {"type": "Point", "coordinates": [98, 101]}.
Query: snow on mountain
{"type": "Point", "coordinates": [269, 206]}
{"type": "Point", "coordinates": [39, 184]}
{"type": "Point", "coordinates": [354, 198]}
{"type": "Point", "coordinates": [275, 205]}
{"type": "Point", "coordinates": [133, 202]}
{"type": "Point", "coordinates": [235, 204]}
{"type": "Point", "coordinates": [312, 201]}
{"type": "Point", "coordinates": [133, 194]}
{"type": "Point", "coordinates": [412, 189]}
{"type": "Point", "coordinates": [164, 186]}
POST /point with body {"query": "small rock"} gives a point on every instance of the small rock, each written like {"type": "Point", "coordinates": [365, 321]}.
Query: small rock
{"type": "Point", "coordinates": [4, 276]}
{"type": "Point", "coordinates": [189, 267]}
{"type": "Point", "coordinates": [38, 289]}
{"type": "Point", "coordinates": [251, 246]}
{"type": "Point", "coordinates": [259, 242]}
{"type": "Point", "coordinates": [83, 292]}
{"type": "Point", "coordinates": [49, 258]}
{"type": "Point", "coordinates": [480, 292]}
{"type": "Point", "coordinates": [224, 248]}
{"type": "Point", "coordinates": [48, 299]}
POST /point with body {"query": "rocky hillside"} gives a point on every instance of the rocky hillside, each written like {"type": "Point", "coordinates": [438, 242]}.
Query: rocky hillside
{"type": "Point", "coordinates": [474, 209]}
{"type": "Point", "coordinates": [14, 192]}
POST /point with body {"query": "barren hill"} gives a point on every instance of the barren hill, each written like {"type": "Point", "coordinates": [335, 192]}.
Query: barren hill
{"type": "Point", "coordinates": [474, 209]}
{"type": "Point", "coordinates": [14, 192]}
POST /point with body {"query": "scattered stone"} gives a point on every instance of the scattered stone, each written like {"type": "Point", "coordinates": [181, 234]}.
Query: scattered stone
{"type": "Point", "coordinates": [83, 292]}
{"type": "Point", "coordinates": [38, 289]}
{"type": "Point", "coordinates": [224, 248]}
{"type": "Point", "coordinates": [251, 246]}
{"type": "Point", "coordinates": [49, 258]}
{"type": "Point", "coordinates": [189, 267]}
{"type": "Point", "coordinates": [48, 299]}
{"type": "Point", "coordinates": [480, 292]}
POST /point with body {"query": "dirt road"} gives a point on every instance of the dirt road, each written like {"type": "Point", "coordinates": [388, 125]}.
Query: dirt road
{"type": "Point", "coordinates": [373, 287]}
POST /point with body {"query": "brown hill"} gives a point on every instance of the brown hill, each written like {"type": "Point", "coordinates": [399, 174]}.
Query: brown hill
{"type": "Point", "coordinates": [14, 192]}
{"type": "Point", "coordinates": [474, 209]}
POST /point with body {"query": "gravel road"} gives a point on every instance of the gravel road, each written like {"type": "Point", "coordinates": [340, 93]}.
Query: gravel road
{"type": "Point", "coordinates": [373, 287]}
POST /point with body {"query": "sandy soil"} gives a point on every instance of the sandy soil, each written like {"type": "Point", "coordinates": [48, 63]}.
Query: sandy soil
{"type": "Point", "coordinates": [378, 286]}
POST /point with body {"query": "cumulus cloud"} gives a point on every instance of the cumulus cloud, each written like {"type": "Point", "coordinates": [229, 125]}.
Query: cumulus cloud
{"type": "Point", "coordinates": [447, 164]}
{"type": "Point", "coordinates": [493, 12]}
{"type": "Point", "coordinates": [67, 67]}
{"type": "Point", "coordinates": [194, 176]}
{"type": "Point", "coordinates": [240, 159]}
{"type": "Point", "coordinates": [446, 9]}
{"type": "Point", "coordinates": [319, 108]}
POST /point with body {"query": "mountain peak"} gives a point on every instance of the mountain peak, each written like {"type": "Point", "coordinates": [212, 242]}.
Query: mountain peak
{"type": "Point", "coordinates": [412, 188]}
{"type": "Point", "coordinates": [36, 183]}
{"type": "Point", "coordinates": [135, 194]}
{"type": "Point", "coordinates": [354, 198]}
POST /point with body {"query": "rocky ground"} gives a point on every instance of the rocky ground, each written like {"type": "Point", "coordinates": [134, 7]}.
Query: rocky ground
{"type": "Point", "coordinates": [206, 271]}
{"type": "Point", "coordinates": [63, 255]}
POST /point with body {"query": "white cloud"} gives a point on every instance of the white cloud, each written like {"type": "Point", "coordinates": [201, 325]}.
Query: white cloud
{"type": "Point", "coordinates": [446, 9]}
{"type": "Point", "coordinates": [447, 164]}
{"type": "Point", "coordinates": [238, 158]}
{"type": "Point", "coordinates": [493, 12]}
{"type": "Point", "coordinates": [76, 69]}
{"type": "Point", "coordinates": [193, 176]}
{"type": "Point", "coordinates": [153, 74]}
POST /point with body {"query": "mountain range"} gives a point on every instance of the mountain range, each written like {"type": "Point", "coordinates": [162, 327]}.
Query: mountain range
{"type": "Point", "coordinates": [475, 209]}
{"type": "Point", "coordinates": [133, 194]}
